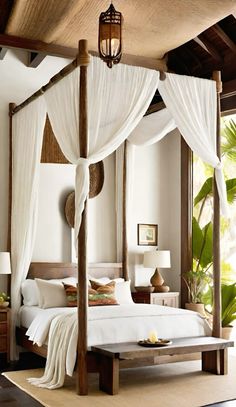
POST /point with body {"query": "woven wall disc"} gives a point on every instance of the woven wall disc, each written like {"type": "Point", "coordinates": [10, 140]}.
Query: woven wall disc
{"type": "Point", "coordinates": [96, 172]}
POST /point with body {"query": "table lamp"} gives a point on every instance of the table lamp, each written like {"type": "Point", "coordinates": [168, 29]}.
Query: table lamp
{"type": "Point", "coordinates": [5, 263]}
{"type": "Point", "coordinates": [157, 258]}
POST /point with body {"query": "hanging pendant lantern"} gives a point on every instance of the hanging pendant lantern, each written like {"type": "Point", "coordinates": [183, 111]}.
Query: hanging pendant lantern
{"type": "Point", "coordinates": [110, 38]}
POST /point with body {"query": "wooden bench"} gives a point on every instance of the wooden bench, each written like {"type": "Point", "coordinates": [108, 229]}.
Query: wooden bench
{"type": "Point", "coordinates": [214, 356]}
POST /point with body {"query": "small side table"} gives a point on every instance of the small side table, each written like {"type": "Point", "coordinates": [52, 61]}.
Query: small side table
{"type": "Point", "coordinates": [5, 332]}
{"type": "Point", "coordinates": [169, 299]}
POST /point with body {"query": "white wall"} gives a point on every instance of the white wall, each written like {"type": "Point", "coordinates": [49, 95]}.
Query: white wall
{"type": "Point", "coordinates": [54, 238]}
{"type": "Point", "coordinates": [156, 199]}
{"type": "Point", "coordinates": [102, 219]}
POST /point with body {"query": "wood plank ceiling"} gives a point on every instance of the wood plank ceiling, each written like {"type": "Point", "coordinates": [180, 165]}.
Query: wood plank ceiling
{"type": "Point", "coordinates": [196, 36]}
{"type": "Point", "coordinates": [151, 29]}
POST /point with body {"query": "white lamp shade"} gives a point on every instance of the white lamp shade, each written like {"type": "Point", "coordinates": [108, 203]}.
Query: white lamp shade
{"type": "Point", "coordinates": [157, 258]}
{"type": "Point", "coordinates": [5, 263]}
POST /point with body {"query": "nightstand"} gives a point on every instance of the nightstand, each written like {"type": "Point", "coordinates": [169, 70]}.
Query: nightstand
{"type": "Point", "coordinates": [170, 299]}
{"type": "Point", "coordinates": [5, 332]}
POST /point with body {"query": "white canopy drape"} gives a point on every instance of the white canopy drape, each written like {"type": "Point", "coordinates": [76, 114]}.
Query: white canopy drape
{"type": "Point", "coordinates": [27, 136]}
{"type": "Point", "coordinates": [118, 99]}
{"type": "Point", "coordinates": [192, 104]}
{"type": "Point", "coordinates": [152, 128]}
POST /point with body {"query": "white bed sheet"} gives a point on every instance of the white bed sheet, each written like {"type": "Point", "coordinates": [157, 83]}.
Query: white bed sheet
{"type": "Point", "coordinates": [27, 314]}
{"type": "Point", "coordinates": [131, 322]}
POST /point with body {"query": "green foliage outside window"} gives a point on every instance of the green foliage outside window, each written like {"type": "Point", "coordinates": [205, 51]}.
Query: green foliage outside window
{"type": "Point", "coordinates": [199, 279]}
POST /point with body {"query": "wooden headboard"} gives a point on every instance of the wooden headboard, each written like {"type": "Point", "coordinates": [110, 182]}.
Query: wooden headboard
{"type": "Point", "coordinates": [48, 271]}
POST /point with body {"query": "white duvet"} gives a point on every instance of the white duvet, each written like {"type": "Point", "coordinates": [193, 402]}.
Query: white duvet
{"type": "Point", "coordinates": [108, 324]}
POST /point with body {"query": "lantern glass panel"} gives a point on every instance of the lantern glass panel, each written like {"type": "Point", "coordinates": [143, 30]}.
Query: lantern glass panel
{"type": "Point", "coordinates": [110, 39]}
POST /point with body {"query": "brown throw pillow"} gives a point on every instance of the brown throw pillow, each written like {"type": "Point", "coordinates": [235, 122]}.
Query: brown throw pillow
{"type": "Point", "coordinates": [98, 294]}
{"type": "Point", "coordinates": [71, 295]}
{"type": "Point", "coordinates": [102, 294]}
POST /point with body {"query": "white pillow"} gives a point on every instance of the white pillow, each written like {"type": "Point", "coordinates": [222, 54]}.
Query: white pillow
{"type": "Point", "coordinates": [29, 292]}
{"type": "Point", "coordinates": [123, 293]}
{"type": "Point", "coordinates": [51, 294]}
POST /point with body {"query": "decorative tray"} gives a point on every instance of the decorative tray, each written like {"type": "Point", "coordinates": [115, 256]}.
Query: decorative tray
{"type": "Point", "coordinates": [161, 342]}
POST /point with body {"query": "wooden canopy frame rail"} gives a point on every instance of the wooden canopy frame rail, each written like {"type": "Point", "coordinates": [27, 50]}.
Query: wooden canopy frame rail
{"type": "Point", "coordinates": [82, 61]}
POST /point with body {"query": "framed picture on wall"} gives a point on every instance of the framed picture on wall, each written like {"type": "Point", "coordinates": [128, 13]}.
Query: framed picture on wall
{"type": "Point", "coordinates": [147, 234]}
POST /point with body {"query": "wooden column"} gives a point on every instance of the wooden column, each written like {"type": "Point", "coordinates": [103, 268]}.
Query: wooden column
{"type": "Point", "coordinates": [186, 215]}
{"type": "Point", "coordinates": [125, 243]}
{"type": "Point", "coordinates": [82, 295]}
{"type": "Point", "coordinates": [11, 107]}
{"type": "Point", "coordinates": [216, 225]}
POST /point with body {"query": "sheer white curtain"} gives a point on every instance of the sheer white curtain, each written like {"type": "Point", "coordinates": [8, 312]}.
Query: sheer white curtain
{"type": "Point", "coordinates": [118, 99]}
{"type": "Point", "coordinates": [192, 103]}
{"type": "Point", "coordinates": [152, 128]}
{"type": "Point", "coordinates": [28, 125]}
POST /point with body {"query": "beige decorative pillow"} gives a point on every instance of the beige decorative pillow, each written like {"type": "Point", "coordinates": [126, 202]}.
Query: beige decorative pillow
{"type": "Point", "coordinates": [51, 295]}
{"type": "Point", "coordinates": [102, 294]}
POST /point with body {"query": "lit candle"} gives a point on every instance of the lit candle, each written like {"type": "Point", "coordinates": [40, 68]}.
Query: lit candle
{"type": "Point", "coordinates": [153, 337]}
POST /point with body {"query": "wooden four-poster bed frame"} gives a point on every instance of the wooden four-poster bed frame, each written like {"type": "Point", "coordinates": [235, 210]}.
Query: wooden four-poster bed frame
{"type": "Point", "coordinates": [82, 61]}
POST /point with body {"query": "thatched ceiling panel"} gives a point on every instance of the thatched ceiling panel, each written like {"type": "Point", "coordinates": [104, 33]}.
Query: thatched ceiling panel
{"type": "Point", "coordinates": [152, 28]}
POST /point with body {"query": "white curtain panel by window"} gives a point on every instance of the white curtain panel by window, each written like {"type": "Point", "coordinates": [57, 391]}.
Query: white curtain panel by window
{"type": "Point", "coordinates": [117, 100]}
{"type": "Point", "coordinates": [192, 103]}
{"type": "Point", "coordinates": [27, 135]}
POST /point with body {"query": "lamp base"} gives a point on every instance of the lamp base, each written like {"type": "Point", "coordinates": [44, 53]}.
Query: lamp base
{"type": "Point", "coordinates": [157, 279]}
{"type": "Point", "coordinates": [161, 289]}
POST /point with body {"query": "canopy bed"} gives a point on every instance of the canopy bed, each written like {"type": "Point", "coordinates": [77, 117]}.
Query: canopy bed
{"type": "Point", "coordinates": [88, 112]}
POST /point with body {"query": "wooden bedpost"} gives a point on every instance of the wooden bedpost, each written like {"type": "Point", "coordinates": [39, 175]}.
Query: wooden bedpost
{"type": "Point", "coordinates": [216, 226]}
{"type": "Point", "coordinates": [124, 206]}
{"type": "Point", "coordinates": [82, 295]}
{"type": "Point", "coordinates": [186, 215]}
{"type": "Point", "coordinates": [11, 107]}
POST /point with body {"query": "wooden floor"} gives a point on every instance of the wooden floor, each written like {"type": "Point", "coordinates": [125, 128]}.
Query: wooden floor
{"type": "Point", "coordinates": [12, 396]}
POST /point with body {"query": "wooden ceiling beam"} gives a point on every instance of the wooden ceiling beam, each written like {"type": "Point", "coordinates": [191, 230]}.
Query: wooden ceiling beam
{"type": "Point", "coordinates": [229, 89]}
{"type": "Point", "coordinates": [182, 65]}
{"type": "Point", "coordinates": [3, 52]}
{"type": "Point", "coordinates": [5, 11]}
{"type": "Point", "coordinates": [225, 38]}
{"type": "Point", "coordinates": [35, 59]}
{"type": "Point", "coordinates": [208, 47]}
{"type": "Point", "coordinates": [11, 41]}
{"type": "Point", "coordinates": [193, 56]}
